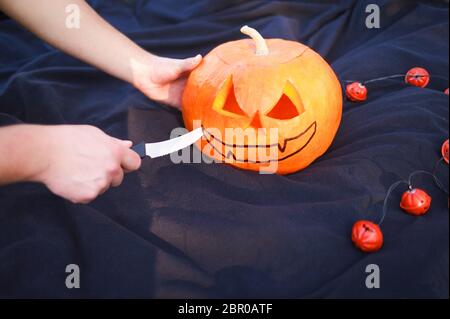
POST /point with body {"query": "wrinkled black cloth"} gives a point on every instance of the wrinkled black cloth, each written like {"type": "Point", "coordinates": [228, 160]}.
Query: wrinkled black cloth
{"type": "Point", "coordinates": [200, 230]}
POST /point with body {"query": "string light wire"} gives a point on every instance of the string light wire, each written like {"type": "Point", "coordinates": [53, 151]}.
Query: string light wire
{"type": "Point", "coordinates": [408, 182]}
{"type": "Point", "coordinates": [396, 76]}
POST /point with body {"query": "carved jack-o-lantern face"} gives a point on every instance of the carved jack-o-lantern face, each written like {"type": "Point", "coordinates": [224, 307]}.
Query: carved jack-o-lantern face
{"type": "Point", "coordinates": [284, 86]}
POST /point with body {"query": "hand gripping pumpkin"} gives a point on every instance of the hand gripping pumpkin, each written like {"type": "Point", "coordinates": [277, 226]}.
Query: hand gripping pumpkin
{"type": "Point", "coordinates": [259, 85]}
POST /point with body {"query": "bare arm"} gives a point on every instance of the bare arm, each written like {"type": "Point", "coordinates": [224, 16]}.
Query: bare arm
{"type": "Point", "coordinates": [23, 149]}
{"type": "Point", "coordinates": [98, 43]}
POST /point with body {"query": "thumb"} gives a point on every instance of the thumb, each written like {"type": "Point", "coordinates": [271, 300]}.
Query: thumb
{"type": "Point", "coordinates": [126, 143]}
{"type": "Point", "coordinates": [189, 64]}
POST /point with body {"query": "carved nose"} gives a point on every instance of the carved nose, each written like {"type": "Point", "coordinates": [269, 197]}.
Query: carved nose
{"type": "Point", "coordinates": [256, 121]}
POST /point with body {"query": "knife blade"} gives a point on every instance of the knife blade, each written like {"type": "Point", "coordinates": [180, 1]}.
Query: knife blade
{"type": "Point", "coordinates": [158, 149]}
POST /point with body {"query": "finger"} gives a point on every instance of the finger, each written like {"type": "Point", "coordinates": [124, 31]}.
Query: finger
{"type": "Point", "coordinates": [131, 161]}
{"type": "Point", "coordinates": [106, 185]}
{"type": "Point", "coordinates": [104, 190]}
{"type": "Point", "coordinates": [125, 143]}
{"type": "Point", "coordinates": [188, 65]}
{"type": "Point", "coordinates": [117, 179]}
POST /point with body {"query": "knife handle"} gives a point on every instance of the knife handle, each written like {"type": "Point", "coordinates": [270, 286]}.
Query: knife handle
{"type": "Point", "coordinates": [140, 149]}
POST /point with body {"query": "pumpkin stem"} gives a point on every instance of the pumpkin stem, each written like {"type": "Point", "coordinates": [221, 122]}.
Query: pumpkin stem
{"type": "Point", "coordinates": [261, 45]}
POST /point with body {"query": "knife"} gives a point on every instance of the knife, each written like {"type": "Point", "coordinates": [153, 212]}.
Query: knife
{"type": "Point", "coordinates": [154, 150]}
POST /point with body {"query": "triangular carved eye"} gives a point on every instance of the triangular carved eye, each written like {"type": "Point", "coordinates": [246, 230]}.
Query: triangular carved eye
{"type": "Point", "coordinates": [289, 106]}
{"type": "Point", "coordinates": [231, 104]}
{"type": "Point", "coordinates": [226, 102]}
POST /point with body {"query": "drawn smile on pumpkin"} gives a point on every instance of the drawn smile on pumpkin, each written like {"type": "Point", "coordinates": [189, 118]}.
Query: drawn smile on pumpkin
{"type": "Point", "coordinates": [309, 132]}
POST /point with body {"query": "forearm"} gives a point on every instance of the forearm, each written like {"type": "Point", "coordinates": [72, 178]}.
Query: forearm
{"type": "Point", "coordinates": [96, 42]}
{"type": "Point", "coordinates": [23, 153]}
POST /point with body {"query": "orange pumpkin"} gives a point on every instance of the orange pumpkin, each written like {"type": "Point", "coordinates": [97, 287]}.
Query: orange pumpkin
{"type": "Point", "coordinates": [257, 85]}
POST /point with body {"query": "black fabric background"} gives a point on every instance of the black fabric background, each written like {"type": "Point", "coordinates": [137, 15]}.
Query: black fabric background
{"type": "Point", "coordinates": [203, 230]}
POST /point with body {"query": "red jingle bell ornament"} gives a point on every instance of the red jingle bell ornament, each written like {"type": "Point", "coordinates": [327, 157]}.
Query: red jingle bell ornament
{"type": "Point", "coordinates": [444, 151]}
{"type": "Point", "coordinates": [418, 77]}
{"type": "Point", "coordinates": [367, 236]}
{"type": "Point", "coordinates": [356, 92]}
{"type": "Point", "coordinates": [415, 202]}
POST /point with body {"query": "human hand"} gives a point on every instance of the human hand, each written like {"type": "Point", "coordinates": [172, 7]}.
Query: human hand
{"type": "Point", "coordinates": [164, 79]}
{"type": "Point", "coordinates": [82, 162]}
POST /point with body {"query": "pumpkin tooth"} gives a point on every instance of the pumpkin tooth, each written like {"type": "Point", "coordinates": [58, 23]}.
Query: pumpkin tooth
{"type": "Point", "coordinates": [282, 144]}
